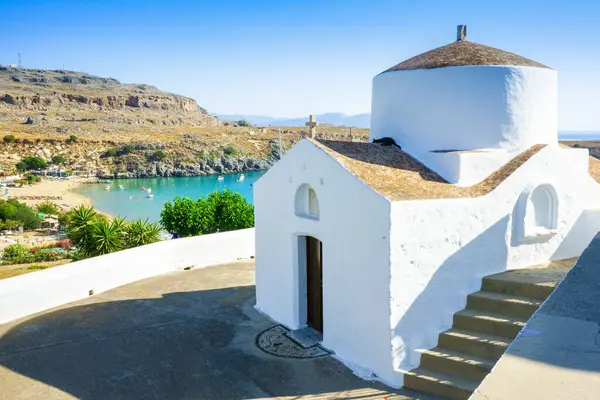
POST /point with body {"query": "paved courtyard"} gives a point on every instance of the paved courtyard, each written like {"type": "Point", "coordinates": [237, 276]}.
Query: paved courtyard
{"type": "Point", "coordinates": [185, 335]}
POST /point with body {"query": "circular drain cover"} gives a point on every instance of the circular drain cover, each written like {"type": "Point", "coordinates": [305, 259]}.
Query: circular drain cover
{"type": "Point", "coordinates": [275, 341]}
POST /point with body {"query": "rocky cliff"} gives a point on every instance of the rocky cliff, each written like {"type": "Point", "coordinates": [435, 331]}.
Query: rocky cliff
{"type": "Point", "coordinates": [102, 126]}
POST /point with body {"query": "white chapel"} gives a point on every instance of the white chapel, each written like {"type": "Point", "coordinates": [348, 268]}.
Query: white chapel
{"type": "Point", "coordinates": [377, 246]}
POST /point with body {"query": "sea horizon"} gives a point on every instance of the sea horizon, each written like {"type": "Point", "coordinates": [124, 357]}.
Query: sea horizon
{"type": "Point", "coordinates": [569, 135]}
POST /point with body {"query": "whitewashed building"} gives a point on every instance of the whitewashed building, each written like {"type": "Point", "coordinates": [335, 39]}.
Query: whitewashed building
{"type": "Point", "coordinates": [377, 246]}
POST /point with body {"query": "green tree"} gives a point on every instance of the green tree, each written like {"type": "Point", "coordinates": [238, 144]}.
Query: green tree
{"type": "Point", "coordinates": [218, 212]}
{"type": "Point", "coordinates": [48, 207]}
{"type": "Point", "coordinates": [126, 149]}
{"type": "Point", "coordinates": [58, 159]}
{"type": "Point", "coordinates": [229, 150]}
{"type": "Point", "coordinates": [140, 233]}
{"type": "Point", "coordinates": [27, 217]}
{"type": "Point", "coordinates": [30, 163]}
{"type": "Point", "coordinates": [9, 138]}
{"type": "Point", "coordinates": [73, 139]}
{"type": "Point", "coordinates": [243, 122]}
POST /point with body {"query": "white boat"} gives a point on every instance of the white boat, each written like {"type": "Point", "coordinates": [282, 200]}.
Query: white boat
{"type": "Point", "coordinates": [121, 187]}
{"type": "Point", "coordinates": [149, 190]}
{"type": "Point", "coordinates": [241, 178]}
{"type": "Point", "coordinates": [220, 178]}
{"type": "Point", "coordinates": [107, 187]}
{"type": "Point", "coordinates": [150, 196]}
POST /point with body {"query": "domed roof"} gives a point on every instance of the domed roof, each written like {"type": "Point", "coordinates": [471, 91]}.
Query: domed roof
{"type": "Point", "coordinates": [464, 53]}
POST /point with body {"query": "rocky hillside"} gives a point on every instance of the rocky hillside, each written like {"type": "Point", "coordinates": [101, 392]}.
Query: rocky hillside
{"type": "Point", "coordinates": [127, 129]}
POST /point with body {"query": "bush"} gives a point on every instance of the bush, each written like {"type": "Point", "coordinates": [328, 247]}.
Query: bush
{"type": "Point", "coordinates": [126, 149]}
{"type": "Point", "coordinates": [9, 138]}
{"type": "Point", "coordinates": [158, 155]}
{"type": "Point", "coordinates": [20, 182]}
{"type": "Point", "coordinates": [31, 179]}
{"type": "Point", "coordinates": [219, 212]}
{"type": "Point", "coordinates": [16, 254]}
{"type": "Point", "coordinates": [243, 122]}
{"type": "Point", "coordinates": [58, 159]}
{"type": "Point", "coordinates": [9, 225]}
{"type": "Point", "coordinates": [31, 163]}
{"type": "Point", "coordinates": [229, 150]}
{"type": "Point", "coordinates": [64, 244]}
{"type": "Point", "coordinates": [110, 153]}
{"type": "Point", "coordinates": [73, 139]}
{"type": "Point", "coordinates": [48, 207]}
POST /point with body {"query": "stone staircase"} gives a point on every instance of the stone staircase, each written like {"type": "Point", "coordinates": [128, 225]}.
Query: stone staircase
{"type": "Point", "coordinates": [482, 332]}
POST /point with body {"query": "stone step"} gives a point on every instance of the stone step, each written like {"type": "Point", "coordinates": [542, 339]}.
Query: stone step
{"type": "Point", "coordinates": [474, 343]}
{"type": "Point", "coordinates": [502, 303]}
{"type": "Point", "coordinates": [440, 384]}
{"type": "Point", "coordinates": [490, 323]}
{"type": "Point", "coordinates": [505, 283]}
{"type": "Point", "coordinates": [452, 362]}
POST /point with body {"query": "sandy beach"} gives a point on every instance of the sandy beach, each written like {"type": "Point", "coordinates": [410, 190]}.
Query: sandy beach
{"type": "Point", "coordinates": [59, 192]}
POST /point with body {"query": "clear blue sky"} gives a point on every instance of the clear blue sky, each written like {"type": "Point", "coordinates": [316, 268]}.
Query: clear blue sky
{"type": "Point", "coordinates": [288, 58]}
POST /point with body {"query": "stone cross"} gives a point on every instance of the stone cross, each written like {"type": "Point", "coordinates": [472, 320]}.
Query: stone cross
{"type": "Point", "coordinates": [312, 123]}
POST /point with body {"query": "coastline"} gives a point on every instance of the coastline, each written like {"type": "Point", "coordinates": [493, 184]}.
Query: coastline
{"type": "Point", "coordinates": [58, 191]}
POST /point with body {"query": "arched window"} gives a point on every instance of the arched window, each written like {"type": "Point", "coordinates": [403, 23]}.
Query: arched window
{"type": "Point", "coordinates": [541, 212]}
{"type": "Point", "coordinates": [307, 203]}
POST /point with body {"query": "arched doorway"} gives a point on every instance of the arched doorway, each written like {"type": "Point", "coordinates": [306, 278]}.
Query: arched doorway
{"type": "Point", "coordinates": [314, 283]}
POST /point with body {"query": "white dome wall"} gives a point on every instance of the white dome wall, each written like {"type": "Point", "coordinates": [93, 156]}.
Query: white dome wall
{"type": "Point", "coordinates": [466, 108]}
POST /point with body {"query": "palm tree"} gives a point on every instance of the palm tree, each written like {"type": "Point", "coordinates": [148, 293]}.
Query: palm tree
{"type": "Point", "coordinates": [81, 220]}
{"type": "Point", "coordinates": [106, 237]}
{"type": "Point", "coordinates": [139, 233]}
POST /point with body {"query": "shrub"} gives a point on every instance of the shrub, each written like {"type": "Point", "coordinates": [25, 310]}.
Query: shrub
{"type": "Point", "coordinates": [106, 237]}
{"type": "Point", "coordinates": [229, 150]}
{"type": "Point", "coordinates": [73, 139]}
{"type": "Point", "coordinates": [218, 212]}
{"type": "Point", "coordinates": [81, 220]}
{"type": "Point", "coordinates": [48, 207]}
{"type": "Point", "coordinates": [31, 179]}
{"type": "Point", "coordinates": [20, 182]}
{"type": "Point", "coordinates": [110, 153]}
{"type": "Point", "coordinates": [16, 254]}
{"type": "Point", "coordinates": [64, 244]}
{"type": "Point", "coordinates": [9, 138]}
{"type": "Point", "coordinates": [30, 163]}
{"type": "Point", "coordinates": [58, 159]}
{"type": "Point", "coordinates": [9, 225]}
{"type": "Point", "coordinates": [243, 122]}
{"type": "Point", "coordinates": [158, 155]}
{"type": "Point", "coordinates": [126, 149]}
{"type": "Point", "coordinates": [21, 213]}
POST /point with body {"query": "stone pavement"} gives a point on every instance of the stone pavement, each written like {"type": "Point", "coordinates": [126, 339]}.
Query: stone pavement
{"type": "Point", "coordinates": [185, 335]}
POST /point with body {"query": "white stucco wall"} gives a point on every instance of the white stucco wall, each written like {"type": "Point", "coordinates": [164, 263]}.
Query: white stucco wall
{"type": "Point", "coordinates": [354, 228]}
{"type": "Point", "coordinates": [466, 108]}
{"type": "Point", "coordinates": [466, 168]}
{"type": "Point", "coordinates": [440, 249]}
{"type": "Point", "coordinates": [38, 291]}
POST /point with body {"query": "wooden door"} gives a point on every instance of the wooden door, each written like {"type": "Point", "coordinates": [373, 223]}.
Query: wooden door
{"type": "Point", "coordinates": [314, 283]}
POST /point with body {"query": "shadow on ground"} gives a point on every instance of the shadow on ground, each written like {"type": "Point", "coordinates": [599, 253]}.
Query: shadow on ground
{"type": "Point", "coordinates": [145, 341]}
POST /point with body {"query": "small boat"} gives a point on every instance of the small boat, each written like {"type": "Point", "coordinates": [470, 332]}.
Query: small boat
{"type": "Point", "coordinates": [241, 178]}
{"type": "Point", "coordinates": [121, 187]}
{"type": "Point", "coordinates": [107, 187]}
{"type": "Point", "coordinates": [149, 190]}
{"type": "Point", "coordinates": [220, 178]}
{"type": "Point", "coordinates": [150, 196]}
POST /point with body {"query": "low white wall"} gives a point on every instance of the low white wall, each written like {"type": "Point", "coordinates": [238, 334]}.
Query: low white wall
{"type": "Point", "coordinates": [466, 108]}
{"type": "Point", "coordinates": [38, 291]}
{"type": "Point", "coordinates": [440, 249]}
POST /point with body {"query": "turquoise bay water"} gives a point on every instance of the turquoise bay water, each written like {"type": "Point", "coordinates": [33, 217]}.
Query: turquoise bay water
{"type": "Point", "coordinates": [132, 202]}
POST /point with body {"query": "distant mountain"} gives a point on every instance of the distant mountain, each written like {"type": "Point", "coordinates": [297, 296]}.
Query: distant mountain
{"type": "Point", "coordinates": [336, 119]}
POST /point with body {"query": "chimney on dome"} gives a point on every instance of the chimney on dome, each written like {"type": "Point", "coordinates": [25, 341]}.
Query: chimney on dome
{"type": "Point", "coordinates": [461, 32]}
